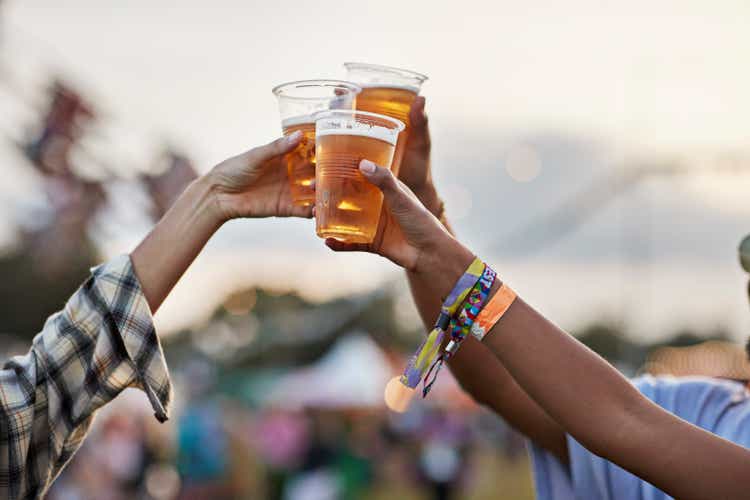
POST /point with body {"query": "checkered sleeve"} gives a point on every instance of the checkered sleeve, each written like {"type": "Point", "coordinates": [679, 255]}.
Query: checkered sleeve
{"type": "Point", "coordinates": [102, 342]}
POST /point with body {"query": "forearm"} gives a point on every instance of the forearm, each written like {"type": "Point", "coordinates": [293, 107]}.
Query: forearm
{"type": "Point", "coordinates": [424, 294]}
{"type": "Point", "coordinates": [604, 412]}
{"type": "Point", "coordinates": [546, 381]}
{"type": "Point", "coordinates": [483, 376]}
{"type": "Point", "coordinates": [581, 391]}
{"type": "Point", "coordinates": [504, 373]}
{"type": "Point", "coordinates": [169, 249]}
{"type": "Point", "coordinates": [479, 372]}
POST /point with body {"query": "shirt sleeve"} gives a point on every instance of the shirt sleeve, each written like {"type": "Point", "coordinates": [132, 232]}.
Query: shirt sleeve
{"type": "Point", "coordinates": [102, 342]}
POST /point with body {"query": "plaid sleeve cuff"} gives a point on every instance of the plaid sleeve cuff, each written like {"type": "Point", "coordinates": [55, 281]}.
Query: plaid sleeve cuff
{"type": "Point", "coordinates": [121, 291]}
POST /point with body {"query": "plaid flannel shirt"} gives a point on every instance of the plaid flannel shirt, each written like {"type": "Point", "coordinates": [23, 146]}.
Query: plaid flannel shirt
{"type": "Point", "coordinates": [102, 342]}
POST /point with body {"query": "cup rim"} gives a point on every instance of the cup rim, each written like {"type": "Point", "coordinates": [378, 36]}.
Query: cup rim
{"type": "Point", "coordinates": [400, 126]}
{"type": "Point", "coordinates": [421, 78]}
{"type": "Point", "coordinates": [278, 90]}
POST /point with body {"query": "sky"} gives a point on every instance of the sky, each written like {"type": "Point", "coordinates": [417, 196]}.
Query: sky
{"type": "Point", "coordinates": [530, 103]}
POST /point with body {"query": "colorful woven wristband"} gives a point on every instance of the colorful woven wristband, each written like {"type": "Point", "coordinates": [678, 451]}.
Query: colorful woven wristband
{"type": "Point", "coordinates": [493, 311]}
{"type": "Point", "coordinates": [472, 307]}
{"type": "Point", "coordinates": [421, 361]}
{"type": "Point", "coordinates": [461, 325]}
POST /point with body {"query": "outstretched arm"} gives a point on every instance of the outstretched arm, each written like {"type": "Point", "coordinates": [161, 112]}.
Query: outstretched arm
{"type": "Point", "coordinates": [609, 416]}
{"type": "Point", "coordinates": [484, 377]}
{"type": "Point", "coordinates": [252, 184]}
{"type": "Point", "coordinates": [104, 341]}
{"type": "Point", "coordinates": [474, 365]}
{"type": "Point", "coordinates": [589, 398]}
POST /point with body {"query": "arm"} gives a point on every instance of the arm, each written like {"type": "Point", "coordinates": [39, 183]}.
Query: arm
{"type": "Point", "coordinates": [252, 184]}
{"type": "Point", "coordinates": [605, 413]}
{"type": "Point", "coordinates": [577, 388]}
{"type": "Point", "coordinates": [473, 365]}
{"type": "Point", "coordinates": [104, 341]}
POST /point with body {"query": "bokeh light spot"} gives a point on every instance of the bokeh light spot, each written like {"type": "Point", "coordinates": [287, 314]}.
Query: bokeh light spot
{"type": "Point", "coordinates": [522, 163]}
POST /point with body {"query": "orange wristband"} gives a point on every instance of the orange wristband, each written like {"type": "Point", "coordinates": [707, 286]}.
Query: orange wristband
{"type": "Point", "coordinates": [493, 311]}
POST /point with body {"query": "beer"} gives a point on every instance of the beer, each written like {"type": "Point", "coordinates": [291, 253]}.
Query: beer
{"type": "Point", "coordinates": [347, 206]}
{"type": "Point", "coordinates": [298, 101]}
{"type": "Point", "coordinates": [387, 91]}
{"type": "Point", "coordinates": [300, 163]}
{"type": "Point", "coordinates": [394, 102]}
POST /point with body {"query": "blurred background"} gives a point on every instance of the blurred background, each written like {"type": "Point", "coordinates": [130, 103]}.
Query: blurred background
{"type": "Point", "coordinates": [598, 154]}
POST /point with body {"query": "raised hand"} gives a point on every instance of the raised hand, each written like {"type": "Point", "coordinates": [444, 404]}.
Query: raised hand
{"type": "Point", "coordinates": [409, 235]}
{"type": "Point", "coordinates": [415, 167]}
{"type": "Point", "coordinates": [254, 183]}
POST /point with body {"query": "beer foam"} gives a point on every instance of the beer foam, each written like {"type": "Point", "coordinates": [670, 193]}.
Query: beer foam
{"type": "Point", "coordinates": [297, 120]}
{"type": "Point", "coordinates": [394, 86]}
{"type": "Point", "coordinates": [362, 129]}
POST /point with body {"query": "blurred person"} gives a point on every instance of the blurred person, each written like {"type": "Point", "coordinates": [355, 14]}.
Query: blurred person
{"type": "Point", "coordinates": [363, 448]}
{"type": "Point", "coordinates": [395, 475]}
{"type": "Point", "coordinates": [111, 466]}
{"type": "Point", "coordinates": [121, 448]}
{"type": "Point", "coordinates": [202, 441]}
{"type": "Point", "coordinates": [318, 477]}
{"type": "Point", "coordinates": [594, 434]}
{"type": "Point", "coordinates": [62, 126]}
{"type": "Point", "coordinates": [104, 339]}
{"type": "Point", "coordinates": [282, 438]}
{"type": "Point", "coordinates": [443, 454]}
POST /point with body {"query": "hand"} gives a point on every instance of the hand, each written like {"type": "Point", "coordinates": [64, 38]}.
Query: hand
{"type": "Point", "coordinates": [415, 167]}
{"type": "Point", "coordinates": [255, 184]}
{"type": "Point", "coordinates": [409, 235]}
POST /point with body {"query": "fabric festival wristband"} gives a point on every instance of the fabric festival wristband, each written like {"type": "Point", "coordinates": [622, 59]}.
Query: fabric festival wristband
{"type": "Point", "coordinates": [461, 325]}
{"type": "Point", "coordinates": [471, 309]}
{"type": "Point", "coordinates": [493, 311]}
{"type": "Point", "coordinates": [428, 351]}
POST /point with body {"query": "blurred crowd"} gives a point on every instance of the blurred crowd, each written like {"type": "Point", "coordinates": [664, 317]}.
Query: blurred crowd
{"type": "Point", "coordinates": [219, 449]}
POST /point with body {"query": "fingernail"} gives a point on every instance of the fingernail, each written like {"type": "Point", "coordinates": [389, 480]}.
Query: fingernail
{"type": "Point", "coordinates": [294, 136]}
{"type": "Point", "coordinates": [367, 167]}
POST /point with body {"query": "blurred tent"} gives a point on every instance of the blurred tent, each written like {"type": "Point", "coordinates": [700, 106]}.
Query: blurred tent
{"type": "Point", "coordinates": [352, 373]}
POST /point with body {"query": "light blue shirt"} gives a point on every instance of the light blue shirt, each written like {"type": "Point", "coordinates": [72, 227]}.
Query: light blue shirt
{"type": "Point", "coordinates": [721, 407]}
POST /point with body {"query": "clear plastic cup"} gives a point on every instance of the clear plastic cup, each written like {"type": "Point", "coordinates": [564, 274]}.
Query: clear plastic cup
{"type": "Point", "coordinates": [388, 91]}
{"type": "Point", "coordinates": [348, 207]}
{"type": "Point", "coordinates": [298, 103]}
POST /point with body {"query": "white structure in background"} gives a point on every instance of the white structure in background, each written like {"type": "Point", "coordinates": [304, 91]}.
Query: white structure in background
{"type": "Point", "coordinates": [352, 373]}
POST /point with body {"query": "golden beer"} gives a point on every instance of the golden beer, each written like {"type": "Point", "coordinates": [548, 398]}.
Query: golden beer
{"type": "Point", "coordinates": [300, 163]}
{"type": "Point", "coordinates": [387, 91]}
{"type": "Point", "coordinates": [298, 102]}
{"type": "Point", "coordinates": [347, 206]}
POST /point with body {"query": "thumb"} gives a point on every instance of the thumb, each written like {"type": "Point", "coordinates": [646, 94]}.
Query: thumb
{"type": "Point", "coordinates": [399, 202]}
